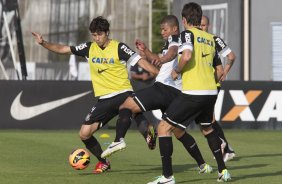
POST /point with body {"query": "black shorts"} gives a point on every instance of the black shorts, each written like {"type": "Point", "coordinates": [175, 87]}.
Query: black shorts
{"type": "Point", "coordinates": [186, 108]}
{"type": "Point", "coordinates": [158, 96]}
{"type": "Point", "coordinates": [105, 109]}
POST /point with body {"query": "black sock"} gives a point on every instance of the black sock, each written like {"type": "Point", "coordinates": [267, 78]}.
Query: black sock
{"type": "Point", "coordinates": [123, 123]}
{"type": "Point", "coordinates": [142, 124]}
{"type": "Point", "coordinates": [220, 133]}
{"type": "Point", "coordinates": [215, 146]}
{"type": "Point", "coordinates": [191, 146]}
{"type": "Point", "coordinates": [219, 130]}
{"type": "Point", "coordinates": [166, 150]}
{"type": "Point", "coordinates": [94, 147]}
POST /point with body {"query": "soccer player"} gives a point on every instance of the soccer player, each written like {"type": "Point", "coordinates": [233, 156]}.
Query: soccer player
{"type": "Point", "coordinates": [160, 95]}
{"type": "Point", "coordinates": [107, 59]}
{"type": "Point", "coordinates": [198, 97]}
{"type": "Point", "coordinates": [228, 152]}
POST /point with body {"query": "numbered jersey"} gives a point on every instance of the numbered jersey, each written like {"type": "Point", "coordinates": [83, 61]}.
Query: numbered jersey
{"type": "Point", "coordinates": [108, 66]}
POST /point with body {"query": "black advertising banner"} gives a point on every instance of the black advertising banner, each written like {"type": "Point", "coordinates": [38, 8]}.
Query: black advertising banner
{"type": "Point", "coordinates": [256, 105]}
{"type": "Point", "coordinates": [44, 104]}
{"type": "Point", "coordinates": [64, 104]}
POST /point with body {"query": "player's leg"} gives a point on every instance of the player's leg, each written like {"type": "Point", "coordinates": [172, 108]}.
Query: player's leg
{"type": "Point", "coordinates": [192, 148]}
{"type": "Point", "coordinates": [127, 108]}
{"type": "Point", "coordinates": [92, 144]}
{"type": "Point", "coordinates": [147, 130]}
{"type": "Point", "coordinates": [228, 152]}
{"type": "Point", "coordinates": [143, 100]}
{"type": "Point", "coordinates": [103, 111]}
{"type": "Point", "coordinates": [205, 121]}
{"type": "Point", "coordinates": [166, 150]}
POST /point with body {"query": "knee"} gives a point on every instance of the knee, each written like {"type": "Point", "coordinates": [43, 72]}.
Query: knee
{"type": "Point", "coordinates": [165, 129]}
{"type": "Point", "coordinates": [178, 133]}
{"type": "Point", "coordinates": [86, 132]}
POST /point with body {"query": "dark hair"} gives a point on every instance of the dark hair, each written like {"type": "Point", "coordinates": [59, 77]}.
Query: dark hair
{"type": "Point", "coordinates": [192, 12]}
{"type": "Point", "coordinates": [99, 24]}
{"type": "Point", "coordinates": [171, 20]}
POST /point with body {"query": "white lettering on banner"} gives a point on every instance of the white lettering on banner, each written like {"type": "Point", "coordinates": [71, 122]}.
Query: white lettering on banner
{"type": "Point", "coordinates": [239, 98]}
{"type": "Point", "coordinates": [272, 107]}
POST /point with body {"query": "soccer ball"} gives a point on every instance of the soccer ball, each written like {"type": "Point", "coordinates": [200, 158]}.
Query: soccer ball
{"type": "Point", "coordinates": [79, 159]}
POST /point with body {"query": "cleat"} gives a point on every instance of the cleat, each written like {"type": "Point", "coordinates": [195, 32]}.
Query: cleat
{"type": "Point", "coordinates": [224, 176]}
{"type": "Point", "coordinates": [205, 168]}
{"type": "Point", "coordinates": [228, 156]}
{"type": "Point", "coordinates": [114, 147]}
{"type": "Point", "coordinates": [163, 180]}
{"type": "Point", "coordinates": [151, 138]}
{"type": "Point", "coordinates": [102, 167]}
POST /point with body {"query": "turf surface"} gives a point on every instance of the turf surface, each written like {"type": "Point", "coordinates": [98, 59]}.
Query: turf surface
{"type": "Point", "coordinates": [41, 157]}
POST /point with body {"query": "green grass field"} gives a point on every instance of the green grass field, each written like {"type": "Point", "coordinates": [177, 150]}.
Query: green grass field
{"type": "Point", "coordinates": [41, 157]}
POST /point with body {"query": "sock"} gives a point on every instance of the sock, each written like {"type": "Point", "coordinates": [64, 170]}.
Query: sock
{"type": "Point", "coordinates": [219, 130]}
{"type": "Point", "coordinates": [142, 124]}
{"type": "Point", "coordinates": [166, 150]}
{"type": "Point", "coordinates": [94, 147]}
{"type": "Point", "coordinates": [215, 146]}
{"type": "Point", "coordinates": [123, 123]}
{"type": "Point", "coordinates": [191, 146]}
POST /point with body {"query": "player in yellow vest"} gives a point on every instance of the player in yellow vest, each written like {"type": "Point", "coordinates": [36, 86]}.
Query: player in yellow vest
{"type": "Point", "coordinates": [223, 51]}
{"type": "Point", "coordinates": [198, 97]}
{"type": "Point", "coordinates": [107, 59]}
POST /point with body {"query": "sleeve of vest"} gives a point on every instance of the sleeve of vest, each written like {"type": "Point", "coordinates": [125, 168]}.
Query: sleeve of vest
{"type": "Point", "coordinates": [186, 41]}
{"type": "Point", "coordinates": [81, 49]}
{"type": "Point", "coordinates": [221, 47]}
{"type": "Point", "coordinates": [125, 53]}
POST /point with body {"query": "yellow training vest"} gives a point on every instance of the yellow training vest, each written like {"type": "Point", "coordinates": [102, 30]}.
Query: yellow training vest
{"type": "Point", "coordinates": [198, 74]}
{"type": "Point", "coordinates": [108, 73]}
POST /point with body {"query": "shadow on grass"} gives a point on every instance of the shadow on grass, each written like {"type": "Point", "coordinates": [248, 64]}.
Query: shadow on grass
{"type": "Point", "coordinates": [258, 176]}
{"type": "Point", "coordinates": [257, 156]}
{"type": "Point", "coordinates": [135, 169]}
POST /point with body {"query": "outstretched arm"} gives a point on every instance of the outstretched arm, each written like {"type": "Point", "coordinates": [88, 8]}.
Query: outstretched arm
{"type": "Point", "coordinates": [140, 45]}
{"type": "Point", "coordinates": [58, 48]}
{"type": "Point", "coordinates": [148, 66]}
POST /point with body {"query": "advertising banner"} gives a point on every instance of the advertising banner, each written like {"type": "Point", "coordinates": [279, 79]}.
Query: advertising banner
{"type": "Point", "coordinates": [64, 104]}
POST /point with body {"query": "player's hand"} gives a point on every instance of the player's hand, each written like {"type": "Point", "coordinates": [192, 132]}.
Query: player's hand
{"type": "Point", "coordinates": [157, 62]}
{"type": "Point", "coordinates": [140, 45]}
{"type": "Point", "coordinates": [223, 77]}
{"type": "Point", "coordinates": [145, 76]}
{"type": "Point", "coordinates": [38, 37]}
{"type": "Point", "coordinates": [174, 75]}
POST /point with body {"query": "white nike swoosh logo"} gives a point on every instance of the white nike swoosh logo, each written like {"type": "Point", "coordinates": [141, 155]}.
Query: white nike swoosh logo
{"type": "Point", "coordinates": [20, 112]}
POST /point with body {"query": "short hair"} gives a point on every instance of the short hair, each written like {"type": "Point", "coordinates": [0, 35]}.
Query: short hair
{"type": "Point", "coordinates": [171, 20]}
{"type": "Point", "coordinates": [99, 24]}
{"type": "Point", "coordinates": [192, 12]}
{"type": "Point", "coordinates": [207, 18]}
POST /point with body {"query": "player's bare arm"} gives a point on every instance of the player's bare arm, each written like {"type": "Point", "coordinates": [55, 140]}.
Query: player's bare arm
{"type": "Point", "coordinates": [154, 58]}
{"type": "Point", "coordinates": [185, 58]}
{"type": "Point", "coordinates": [170, 55]}
{"type": "Point", "coordinates": [58, 48]}
{"type": "Point", "coordinates": [230, 61]}
{"type": "Point", "coordinates": [148, 66]}
{"type": "Point", "coordinates": [218, 73]}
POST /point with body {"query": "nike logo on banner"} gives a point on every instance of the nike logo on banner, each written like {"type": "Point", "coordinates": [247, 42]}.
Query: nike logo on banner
{"type": "Point", "coordinates": [21, 112]}
{"type": "Point", "coordinates": [205, 55]}
{"type": "Point", "coordinates": [101, 71]}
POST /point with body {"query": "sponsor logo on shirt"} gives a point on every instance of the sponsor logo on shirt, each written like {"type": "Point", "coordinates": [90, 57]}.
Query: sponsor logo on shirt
{"type": "Point", "coordinates": [103, 60]}
{"type": "Point", "coordinates": [127, 50]}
